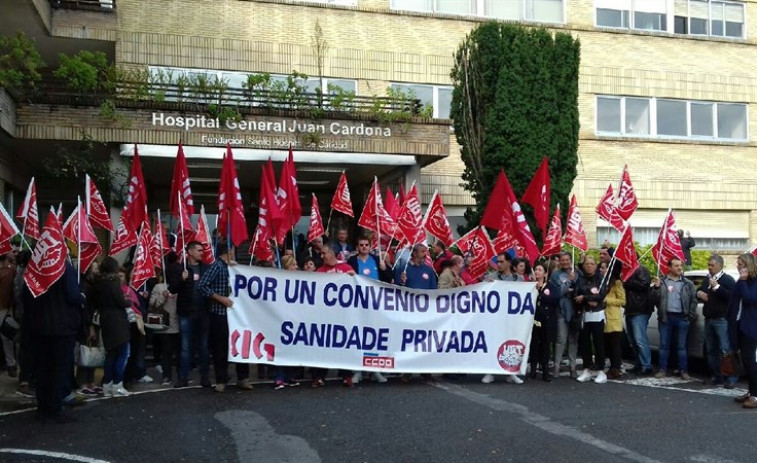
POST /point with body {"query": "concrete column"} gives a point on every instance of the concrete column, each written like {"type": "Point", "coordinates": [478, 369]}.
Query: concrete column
{"type": "Point", "coordinates": [413, 174]}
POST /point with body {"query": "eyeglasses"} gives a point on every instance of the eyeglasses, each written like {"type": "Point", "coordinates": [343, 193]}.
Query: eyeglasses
{"type": "Point", "coordinates": [363, 244]}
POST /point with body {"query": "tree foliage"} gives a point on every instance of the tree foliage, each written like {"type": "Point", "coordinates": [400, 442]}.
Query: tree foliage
{"type": "Point", "coordinates": [515, 101]}
{"type": "Point", "coordinates": [19, 62]}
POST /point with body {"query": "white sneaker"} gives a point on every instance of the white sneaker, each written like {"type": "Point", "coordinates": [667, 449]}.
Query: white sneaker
{"type": "Point", "coordinates": [601, 377]}
{"type": "Point", "coordinates": [145, 379]}
{"type": "Point", "coordinates": [378, 377]}
{"type": "Point", "coordinates": [357, 377]}
{"type": "Point", "coordinates": [487, 379]}
{"type": "Point", "coordinates": [585, 376]}
{"type": "Point", "coordinates": [159, 369]}
{"type": "Point", "coordinates": [108, 389]}
{"type": "Point", "coordinates": [512, 379]}
{"type": "Point", "coordinates": [119, 391]}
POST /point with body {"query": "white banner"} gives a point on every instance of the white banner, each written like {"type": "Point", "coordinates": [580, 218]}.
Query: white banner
{"type": "Point", "coordinates": [294, 318]}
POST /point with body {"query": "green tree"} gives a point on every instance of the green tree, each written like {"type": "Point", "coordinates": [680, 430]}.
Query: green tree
{"type": "Point", "coordinates": [19, 62]}
{"type": "Point", "coordinates": [515, 101]}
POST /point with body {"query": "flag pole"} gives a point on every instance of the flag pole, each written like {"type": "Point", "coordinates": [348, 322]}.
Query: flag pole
{"type": "Point", "coordinates": [181, 230]}
{"type": "Point", "coordinates": [378, 217]}
{"type": "Point", "coordinates": [78, 239]}
{"type": "Point", "coordinates": [662, 248]}
{"type": "Point", "coordinates": [328, 222]}
{"type": "Point", "coordinates": [254, 244]}
{"type": "Point", "coordinates": [160, 240]}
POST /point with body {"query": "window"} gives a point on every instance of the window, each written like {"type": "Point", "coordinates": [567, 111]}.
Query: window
{"type": "Point", "coordinates": [547, 11]}
{"type": "Point", "coordinates": [632, 14]}
{"type": "Point", "coordinates": [709, 17]}
{"type": "Point", "coordinates": [439, 97]}
{"type": "Point", "coordinates": [646, 236]}
{"type": "Point", "coordinates": [667, 118]}
{"type": "Point", "coordinates": [717, 18]}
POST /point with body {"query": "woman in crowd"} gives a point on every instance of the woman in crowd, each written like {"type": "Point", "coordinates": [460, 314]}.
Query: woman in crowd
{"type": "Point", "coordinates": [164, 303]}
{"type": "Point", "coordinates": [108, 296]}
{"type": "Point", "coordinates": [135, 369]}
{"type": "Point", "coordinates": [614, 301]}
{"type": "Point", "coordinates": [589, 301]}
{"type": "Point", "coordinates": [742, 315]}
{"type": "Point", "coordinates": [89, 335]}
{"type": "Point", "coordinates": [545, 323]}
{"type": "Point", "coordinates": [284, 376]}
{"type": "Point", "coordinates": [521, 270]}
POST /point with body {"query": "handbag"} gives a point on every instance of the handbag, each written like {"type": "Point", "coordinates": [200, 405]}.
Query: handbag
{"type": "Point", "coordinates": [9, 327]}
{"type": "Point", "coordinates": [730, 364]}
{"type": "Point", "coordinates": [91, 357]}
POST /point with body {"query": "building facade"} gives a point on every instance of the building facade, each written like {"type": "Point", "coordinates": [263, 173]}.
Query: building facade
{"type": "Point", "coordinates": [666, 87]}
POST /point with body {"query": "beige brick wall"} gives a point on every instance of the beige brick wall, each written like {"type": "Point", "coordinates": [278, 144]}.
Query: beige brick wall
{"type": "Point", "coordinates": [7, 113]}
{"type": "Point", "coordinates": [374, 45]}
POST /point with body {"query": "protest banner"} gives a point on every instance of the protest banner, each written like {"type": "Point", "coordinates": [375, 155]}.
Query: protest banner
{"type": "Point", "coordinates": [355, 323]}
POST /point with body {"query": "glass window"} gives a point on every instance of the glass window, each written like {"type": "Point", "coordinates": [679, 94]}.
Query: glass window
{"type": "Point", "coordinates": [444, 104]}
{"type": "Point", "coordinates": [608, 115]}
{"type": "Point", "coordinates": [671, 118]}
{"type": "Point", "coordinates": [607, 17]}
{"type": "Point", "coordinates": [732, 121]}
{"type": "Point", "coordinates": [650, 15]}
{"type": "Point", "coordinates": [734, 20]}
{"type": "Point", "coordinates": [718, 19]}
{"type": "Point", "coordinates": [699, 13]}
{"type": "Point", "coordinates": [550, 11]}
{"type": "Point", "coordinates": [454, 6]}
{"type": "Point", "coordinates": [412, 5]}
{"type": "Point", "coordinates": [637, 116]}
{"type": "Point", "coordinates": [503, 10]}
{"type": "Point", "coordinates": [701, 120]}
{"type": "Point", "coordinates": [344, 84]}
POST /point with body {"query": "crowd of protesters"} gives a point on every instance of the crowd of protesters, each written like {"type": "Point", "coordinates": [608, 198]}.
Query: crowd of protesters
{"type": "Point", "coordinates": [579, 308]}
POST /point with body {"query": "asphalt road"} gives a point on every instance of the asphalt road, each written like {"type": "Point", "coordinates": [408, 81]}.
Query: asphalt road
{"type": "Point", "coordinates": [642, 420]}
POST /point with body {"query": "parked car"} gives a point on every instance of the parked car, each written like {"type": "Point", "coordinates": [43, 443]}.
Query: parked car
{"type": "Point", "coordinates": [696, 330]}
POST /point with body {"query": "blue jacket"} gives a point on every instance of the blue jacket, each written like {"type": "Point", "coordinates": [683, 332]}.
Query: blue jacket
{"type": "Point", "coordinates": [560, 281]}
{"type": "Point", "coordinates": [745, 292]}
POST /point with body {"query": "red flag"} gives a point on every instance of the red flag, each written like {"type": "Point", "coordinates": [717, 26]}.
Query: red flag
{"type": "Point", "coordinates": [231, 220]}
{"type": "Point", "coordinates": [436, 223]}
{"type": "Point", "coordinates": [553, 241]}
{"type": "Point", "coordinates": [627, 202]}
{"type": "Point", "coordinates": [316, 223]}
{"type": "Point", "coordinates": [668, 244]}
{"type": "Point", "coordinates": [506, 238]}
{"type": "Point", "coordinates": [135, 210]}
{"type": "Point", "coordinates": [497, 205]}
{"type": "Point", "coordinates": [341, 201]}
{"type": "Point", "coordinates": [48, 260]}
{"type": "Point", "coordinates": [269, 218]}
{"type": "Point", "coordinates": [410, 220]}
{"type": "Point", "coordinates": [520, 225]}
{"type": "Point", "coordinates": [78, 229]}
{"type": "Point", "coordinates": [391, 205]}
{"type": "Point", "coordinates": [626, 253]}
{"type": "Point", "coordinates": [204, 238]}
{"type": "Point", "coordinates": [159, 245]}
{"type": "Point", "coordinates": [8, 230]}
{"type": "Point", "coordinates": [476, 243]}
{"type": "Point", "coordinates": [288, 196]}
{"type": "Point", "coordinates": [144, 269]}
{"type": "Point", "coordinates": [28, 211]}
{"type": "Point", "coordinates": [125, 238]}
{"type": "Point", "coordinates": [574, 233]}
{"type": "Point", "coordinates": [537, 194]}
{"type": "Point", "coordinates": [402, 195]}
{"type": "Point", "coordinates": [374, 216]}
{"type": "Point", "coordinates": [607, 211]}
{"type": "Point", "coordinates": [96, 210]}
{"type": "Point", "coordinates": [180, 187]}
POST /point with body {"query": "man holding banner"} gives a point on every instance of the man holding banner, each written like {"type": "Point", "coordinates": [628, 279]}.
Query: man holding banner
{"type": "Point", "coordinates": [214, 285]}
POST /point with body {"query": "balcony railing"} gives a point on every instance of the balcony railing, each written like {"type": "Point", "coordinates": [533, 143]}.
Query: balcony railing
{"type": "Point", "coordinates": [140, 95]}
{"type": "Point", "coordinates": [88, 5]}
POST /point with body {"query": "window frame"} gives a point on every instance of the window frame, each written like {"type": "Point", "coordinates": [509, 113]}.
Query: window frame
{"type": "Point", "coordinates": [479, 10]}
{"type": "Point", "coordinates": [434, 94]}
{"type": "Point", "coordinates": [653, 121]}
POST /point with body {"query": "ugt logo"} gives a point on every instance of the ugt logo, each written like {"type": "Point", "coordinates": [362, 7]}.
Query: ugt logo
{"type": "Point", "coordinates": [510, 355]}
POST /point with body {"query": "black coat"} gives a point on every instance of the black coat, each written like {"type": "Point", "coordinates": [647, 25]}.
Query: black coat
{"type": "Point", "coordinates": [184, 289]}
{"type": "Point", "coordinates": [638, 292]}
{"type": "Point", "coordinates": [57, 312]}
{"type": "Point", "coordinates": [717, 300]}
{"type": "Point", "coordinates": [108, 297]}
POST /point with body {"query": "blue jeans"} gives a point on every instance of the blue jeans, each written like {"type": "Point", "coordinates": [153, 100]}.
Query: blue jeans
{"type": "Point", "coordinates": [115, 363]}
{"type": "Point", "coordinates": [194, 331]}
{"type": "Point", "coordinates": [680, 324]}
{"type": "Point", "coordinates": [717, 344]}
{"type": "Point", "coordinates": [639, 324]}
